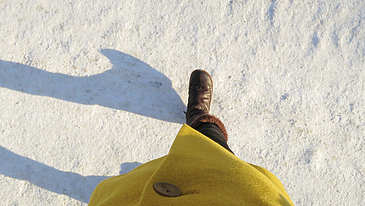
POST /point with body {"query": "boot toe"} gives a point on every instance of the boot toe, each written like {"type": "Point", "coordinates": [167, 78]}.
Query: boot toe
{"type": "Point", "coordinates": [201, 79]}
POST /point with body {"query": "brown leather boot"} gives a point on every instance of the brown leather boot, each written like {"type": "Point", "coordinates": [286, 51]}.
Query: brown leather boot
{"type": "Point", "coordinates": [200, 97]}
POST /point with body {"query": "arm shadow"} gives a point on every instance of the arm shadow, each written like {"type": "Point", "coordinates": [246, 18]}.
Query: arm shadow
{"type": "Point", "coordinates": [131, 85]}
{"type": "Point", "coordinates": [67, 183]}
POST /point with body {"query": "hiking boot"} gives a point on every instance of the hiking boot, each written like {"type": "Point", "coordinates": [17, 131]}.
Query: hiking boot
{"type": "Point", "coordinates": [200, 95]}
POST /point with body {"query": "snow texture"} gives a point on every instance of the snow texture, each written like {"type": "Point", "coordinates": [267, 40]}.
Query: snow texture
{"type": "Point", "coordinates": [92, 89]}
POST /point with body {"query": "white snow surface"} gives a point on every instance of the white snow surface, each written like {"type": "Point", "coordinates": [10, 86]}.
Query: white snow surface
{"type": "Point", "coordinates": [92, 89]}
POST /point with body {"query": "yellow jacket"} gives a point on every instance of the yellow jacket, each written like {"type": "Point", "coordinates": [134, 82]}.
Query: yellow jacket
{"type": "Point", "coordinates": [206, 173]}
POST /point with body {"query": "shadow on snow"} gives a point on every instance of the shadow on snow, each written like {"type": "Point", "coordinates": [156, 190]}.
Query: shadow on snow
{"type": "Point", "coordinates": [131, 85]}
{"type": "Point", "coordinates": [67, 183]}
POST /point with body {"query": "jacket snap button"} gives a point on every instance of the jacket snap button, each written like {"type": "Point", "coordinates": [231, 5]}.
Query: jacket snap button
{"type": "Point", "coordinates": [167, 189]}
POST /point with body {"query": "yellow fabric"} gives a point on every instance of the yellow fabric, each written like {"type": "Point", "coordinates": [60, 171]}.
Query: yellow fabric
{"type": "Point", "coordinates": [206, 173]}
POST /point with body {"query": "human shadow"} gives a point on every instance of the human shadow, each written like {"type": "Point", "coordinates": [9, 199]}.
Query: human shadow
{"type": "Point", "coordinates": [67, 183]}
{"type": "Point", "coordinates": [131, 85]}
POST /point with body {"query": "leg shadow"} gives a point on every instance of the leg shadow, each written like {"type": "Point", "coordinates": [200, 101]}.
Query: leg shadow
{"type": "Point", "coordinates": [131, 85]}
{"type": "Point", "coordinates": [67, 183]}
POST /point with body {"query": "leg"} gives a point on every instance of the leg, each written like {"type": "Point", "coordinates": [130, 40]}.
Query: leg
{"type": "Point", "coordinates": [197, 115]}
{"type": "Point", "coordinates": [214, 133]}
